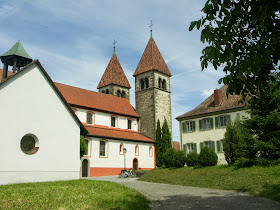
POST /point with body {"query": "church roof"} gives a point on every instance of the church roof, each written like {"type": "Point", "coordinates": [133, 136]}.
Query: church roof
{"type": "Point", "coordinates": [18, 50]}
{"type": "Point", "coordinates": [114, 74]}
{"type": "Point", "coordinates": [102, 132]}
{"type": "Point", "coordinates": [96, 101]}
{"type": "Point", "coordinates": [152, 59]}
{"type": "Point", "coordinates": [208, 106]}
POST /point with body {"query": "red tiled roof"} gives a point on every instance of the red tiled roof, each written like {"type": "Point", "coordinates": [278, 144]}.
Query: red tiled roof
{"type": "Point", "coordinates": [97, 101]}
{"type": "Point", "coordinates": [114, 74]}
{"type": "Point", "coordinates": [176, 145]}
{"type": "Point", "coordinates": [208, 106]}
{"type": "Point", "coordinates": [116, 134]}
{"type": "Point", "coordinates": [152, 59]}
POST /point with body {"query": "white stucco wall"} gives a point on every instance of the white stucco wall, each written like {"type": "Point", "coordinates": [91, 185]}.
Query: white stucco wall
{"type": "Point", "coordinates": [215, 134]}
{"type": "Point", "coordinates": [116, 160]}
{"type": "Point", "coordinates": [29, 105]}
{"type": "Point", "coordinates": [104, 119]}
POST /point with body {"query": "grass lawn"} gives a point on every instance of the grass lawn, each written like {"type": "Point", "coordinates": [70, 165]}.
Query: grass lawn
{"type": "Point", "coordinates": [260, 181]}
{"type": "Point", "coordinates": [75, 194]}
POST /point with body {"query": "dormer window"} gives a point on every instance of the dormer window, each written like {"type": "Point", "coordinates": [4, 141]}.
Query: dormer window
{"type": "Point", "coordinates": [113, 121]}
{"type": "Point", "coordinates": [89, 118]}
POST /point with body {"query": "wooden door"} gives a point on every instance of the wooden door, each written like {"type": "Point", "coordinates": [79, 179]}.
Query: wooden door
{"type": "Point", "coordinates": [135, 164]}
{"type": "Point", "coordinates": [85, 168]}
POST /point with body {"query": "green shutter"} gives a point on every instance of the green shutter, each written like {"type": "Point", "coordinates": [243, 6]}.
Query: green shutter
{"type": "Point", "coordinates": [193, 126]}
{"type": "Point", "coordinates": [219, 149]}
{"type": "Point", "coordinates": [211, 123]}
{"type": "Point", "coordinates": [195, 148]}
{"type": "Point", "coordinates": [201, 145]}
{"type": "Point", "coordinates": [184, 127]}
{"type": "Point", "coordinates": [185, 148]}
{"type": "Point", "coordinates": [228, 118]}
{"type": "Point", "coordinates": [216, 122]}
{"type": "Point", "coordinates": [200, 125]}
{"type": "Point", "coordinates": [213, 145]}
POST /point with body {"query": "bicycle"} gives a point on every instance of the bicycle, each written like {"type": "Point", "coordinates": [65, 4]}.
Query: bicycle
{"type": "Point", "coordinates": [124, 173]}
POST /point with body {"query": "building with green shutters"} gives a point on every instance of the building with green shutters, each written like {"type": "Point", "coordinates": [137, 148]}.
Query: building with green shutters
{"type": "Point", "coordinates": [205, 125]}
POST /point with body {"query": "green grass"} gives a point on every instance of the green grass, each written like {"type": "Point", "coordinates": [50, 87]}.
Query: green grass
{"type": "Point", "coordinates": [75, 194]}
{"type": "Point", "coordinates": [259, 181]}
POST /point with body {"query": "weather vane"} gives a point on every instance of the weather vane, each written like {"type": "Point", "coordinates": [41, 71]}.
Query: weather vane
{"type": "Point", "coordinates": [151, 26]}
{"type": "Point", "coordinates": [114, 43]}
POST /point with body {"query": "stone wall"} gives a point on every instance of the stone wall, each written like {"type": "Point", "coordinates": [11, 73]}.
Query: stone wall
{"type": "Point", "coordinates": [113, 90]}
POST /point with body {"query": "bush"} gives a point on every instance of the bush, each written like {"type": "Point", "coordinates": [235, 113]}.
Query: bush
{"type": "Point", "coordinates": [207, 157]}
{"type": "Point", "coordinates": [173, 158]}
{"type": "Point", "coordinates": [192, 159]}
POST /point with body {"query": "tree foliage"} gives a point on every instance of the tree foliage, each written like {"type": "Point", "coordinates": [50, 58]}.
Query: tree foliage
{"type": "Point", "coordinates": [238, 142]}
{"type": "Point", "coordinates": [192, 159]}
{"type": "Point", "coordinates": [166, 137]}
{"type": "Point", "coordinates": [207, 157]}
{"type": "Point", "coordinates": [173, 158]}
{"type": "Point", "coordinates": [243, 38]}
{"type": "Point", "coordinates": [83, 147]}
{"type": "Point", "coordinates": [158, 146]}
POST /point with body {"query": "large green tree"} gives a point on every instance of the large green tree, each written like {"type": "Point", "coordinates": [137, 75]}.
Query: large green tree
{"type": "Point", "coordinates": [243, 38]}
{"type": "Point", "coordinates": [158, 145]}
{"type": "Point", "coordinates": [166, 137]}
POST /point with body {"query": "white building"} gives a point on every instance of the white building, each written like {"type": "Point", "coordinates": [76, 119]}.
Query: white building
{"type": "Point", "coordinates": [206, 124]}
{"type": "Point", "coordinates": [41, 124]}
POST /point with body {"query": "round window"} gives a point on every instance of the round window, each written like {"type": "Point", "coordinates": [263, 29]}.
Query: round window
{"type": "Point", "coordinates": [29, 144]}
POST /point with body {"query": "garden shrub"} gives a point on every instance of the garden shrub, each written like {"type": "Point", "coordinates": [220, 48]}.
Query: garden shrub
{"type": "Point", "coordinates": [207, 157]}
{"type": "Point", "coordinates": [192, 159]}
{"type": "Point", "coordinates": [173, 158]}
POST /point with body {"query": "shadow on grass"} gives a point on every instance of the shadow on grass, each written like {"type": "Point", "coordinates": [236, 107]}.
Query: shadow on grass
{"type": "Point", "coordinates": [271, 191]}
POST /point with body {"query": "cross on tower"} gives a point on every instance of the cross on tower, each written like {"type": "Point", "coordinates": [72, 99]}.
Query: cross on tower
{"type": "Point", "coordinates": [151, 26]}
{"type": "Point", "coordinates": [114, 43]}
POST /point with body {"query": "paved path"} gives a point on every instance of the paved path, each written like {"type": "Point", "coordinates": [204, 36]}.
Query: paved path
{"type": "Point", "coordinates": [165, 196]}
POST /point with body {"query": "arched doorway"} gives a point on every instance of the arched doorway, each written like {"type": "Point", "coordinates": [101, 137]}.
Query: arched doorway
{"type": "Point", "coordinates": [135, 164]}
{"type": "Point", "coordinates": [85, 168]}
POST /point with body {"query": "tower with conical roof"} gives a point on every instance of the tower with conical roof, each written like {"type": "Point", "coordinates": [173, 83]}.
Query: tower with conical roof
{"type": "Point", "coordinates": [114, 81]}
{"type": "Point", "coordinates": [16, 57]}
{"type": "Point", "coordinates": [152, 90]}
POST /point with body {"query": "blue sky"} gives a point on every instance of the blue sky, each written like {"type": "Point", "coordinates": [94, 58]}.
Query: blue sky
{"type": "Point", "coordinates": [73, 40]}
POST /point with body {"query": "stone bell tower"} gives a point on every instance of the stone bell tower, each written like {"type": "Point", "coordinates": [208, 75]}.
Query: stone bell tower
{"type": "Point", "coordinates": [152, 90]}
{"type": "Point", "coordinates": [114, 81]}
{"type": "Point", "coordinates": [16, 57]}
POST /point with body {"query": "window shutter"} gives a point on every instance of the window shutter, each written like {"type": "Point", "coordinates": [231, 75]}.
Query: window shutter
{"type": "Point", "coordinates": [228, 118]}
{"type": "Point", "coordinates": [219, 149]}
{"type": "Point", "coordinates": [201, 145]}
{"type": "Point", "coordinates": [216, 122]}
{"type": "Point", "coordinates": [194, 148]}
{"type": "Point", "coordinates": [213, 145]}
{"type": "Point", "coordinates": [200, 125]}
{"type": "Point", "coordinates": [184, 127]}
{"type": "Point", "coordinates": [185, 148]}
{"type": "Point", "coordinates": [193, 126]}
{"type": "Point", "coordinates": [211, 123]}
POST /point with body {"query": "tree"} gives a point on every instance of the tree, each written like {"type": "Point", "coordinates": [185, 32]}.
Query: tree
{"type": "Point", "coordinates": [166, 137]}
{"type": "Point", "coordinates": [83, 147]}
{"type": "Point", "coordinates": [264, 123]}
{"type": "Point", "coordinates": [158, 145]}
{"type": "Point", "coordinates": [207, 157]}
{"type": "Point", "coordinates": [243, 38]}
{"type": "Point", "coordinates": [173, 158]}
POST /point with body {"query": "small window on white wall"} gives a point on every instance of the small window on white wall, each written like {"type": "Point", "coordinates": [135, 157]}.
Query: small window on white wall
{"type": "Point", "coordinates": [113, 121]}
{"type": "Point", "coordinates": [151, 151]}
{"type": "Point", "coordinates": [136, 150]}
{"type": "Point", "coordinates": [103, 148]}
{"type": "Point", "coordinates": [121, 149]}
{"type": "Point", "coordinates": [89, 118]}
{"type": "Point", "coordinates": [129, 124]}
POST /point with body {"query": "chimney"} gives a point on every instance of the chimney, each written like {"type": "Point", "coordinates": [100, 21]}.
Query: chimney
{"type": "Point", "coordinates": [218, 95]}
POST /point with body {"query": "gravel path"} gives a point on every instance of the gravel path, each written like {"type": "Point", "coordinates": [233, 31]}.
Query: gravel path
{"type": "Point", "coordinates": [165, 196]}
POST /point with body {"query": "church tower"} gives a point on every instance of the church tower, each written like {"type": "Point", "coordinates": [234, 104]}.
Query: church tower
{"type": "Point", "coordinates": [114, 81]}
{"type": "Point", "coordinates": [152, 90]}
{"type": "Point", "coordinates": [16, 57]}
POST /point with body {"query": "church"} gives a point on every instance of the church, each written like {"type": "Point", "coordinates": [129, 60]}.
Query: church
{"type": "Point", "coordinates": [42, 121]}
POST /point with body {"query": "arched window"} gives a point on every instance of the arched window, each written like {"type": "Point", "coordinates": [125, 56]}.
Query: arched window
{"type": "Point", "coordinates": [123, 94]}
{"type": "Point", "coordinates": [29, 144]}
{"type": "Point", "coordinates": [103, 91]}
{"type": "Point", "coordinates": [107, 91]}
{"type": "Point", "coordinates": [159, 83]}
{"type": "Point", "coordinates": [164, 84]}
{"type": "Point", "coordinates": [121, 149]}
{"type": "Point", "coordinates": [103, 148]}
{"type": "Point", "coordinates": [89, 118]}
{"type": "Point", "coordinates": [147, 82]}
{"type": "Point", "coordinates": [136, 150]}
{"type": "Point", "coordinates": [151, 151]}
{"type": "Point", "coordinates": [142, 84]}
{"type": "Point", "coordinates": [119, 93]}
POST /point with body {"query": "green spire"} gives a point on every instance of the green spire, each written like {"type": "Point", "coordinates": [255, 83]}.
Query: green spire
{"type": "Point", "coordinates": [18, 50]}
